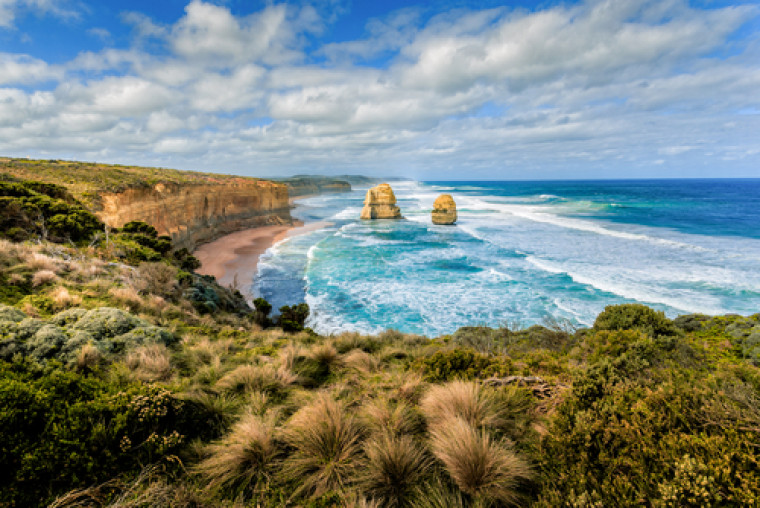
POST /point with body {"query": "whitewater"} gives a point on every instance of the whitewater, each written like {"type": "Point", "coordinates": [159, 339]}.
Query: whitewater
{"type": "Point", "coordinates": [520, 254]}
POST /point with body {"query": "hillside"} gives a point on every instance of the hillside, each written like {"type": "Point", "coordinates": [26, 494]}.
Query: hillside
{"type": "Point", "coordinates": [128, 380]}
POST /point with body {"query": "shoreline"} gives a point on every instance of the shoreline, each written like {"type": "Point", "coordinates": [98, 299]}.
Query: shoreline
{"type": "Point", "coordinates": [233, 259]}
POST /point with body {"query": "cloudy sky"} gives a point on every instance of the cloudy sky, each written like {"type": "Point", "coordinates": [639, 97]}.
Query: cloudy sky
{"type": "Point", "coordinates": [434, 90]}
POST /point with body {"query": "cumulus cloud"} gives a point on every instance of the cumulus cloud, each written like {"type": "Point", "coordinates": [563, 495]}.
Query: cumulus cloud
{"type": "Point", "coordinates": [622, 85]}
{"type": "Point", "coordinates": [10, 9]}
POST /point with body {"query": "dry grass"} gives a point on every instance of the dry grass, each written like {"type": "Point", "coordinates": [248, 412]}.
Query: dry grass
{"type": "Point", "coordinates": [411, 388]}
{"type": "Point", "coordinates": [88, 357]}
{"type": "Point", "coordinates": [127, 297]}
{"type": "Point", "coordinates": [361, 361]}
{"type": "Point", "coordinates": [41, 277]}
{"type": "Point", "coordinates": [481, 467]}
{"type": "Point", "coordinates": [15, 279]}
{"type": "Point", "coordinates": [327, 447]}
{"type": "Point", "coordinates": [150, 363]}
{"type": "Point", "coordinates": [156, 279]}
{"type": "Point", "coordinates": [246, 459]}
{"type": "Point", "coordinates": [326, 355]}
{"type": "Point", "coordinates": [466, 400]}
{"type": "Point", "coordinates": [62, 299]}
{"type": "Point", "coordinates": [383, 416]}
{"type": "Point", "coordinates": [39, 261]}
{"type": "Point", "coordinates": [395, 465]}
{"type": "Point", "coordinates": [263, 378]}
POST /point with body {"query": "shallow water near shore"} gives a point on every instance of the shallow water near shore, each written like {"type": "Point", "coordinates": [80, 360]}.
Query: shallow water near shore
{"type": "Point", "coordinates": [521, 252]}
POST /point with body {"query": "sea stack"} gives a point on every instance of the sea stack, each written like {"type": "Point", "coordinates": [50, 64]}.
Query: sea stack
{"type": "Point", "coordinates": [380, 203]}
{"type": "Point", "coordinates": [444, 210]}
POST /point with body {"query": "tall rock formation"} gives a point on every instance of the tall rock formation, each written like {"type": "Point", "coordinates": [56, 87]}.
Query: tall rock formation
{"type": "Point", "coordinates": [380, 203]}
{"type": "Point", "coordinates": [444, 210]}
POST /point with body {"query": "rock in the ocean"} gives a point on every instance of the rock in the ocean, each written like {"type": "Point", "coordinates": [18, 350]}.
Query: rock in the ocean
{"type": "Point", "coordinates": [380, 203]}
{"type": "Point", "coordinates": [444, 210]}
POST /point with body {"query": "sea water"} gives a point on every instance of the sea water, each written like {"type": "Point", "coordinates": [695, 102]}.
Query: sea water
{"type": "Point", "coordinates": [521, 253]}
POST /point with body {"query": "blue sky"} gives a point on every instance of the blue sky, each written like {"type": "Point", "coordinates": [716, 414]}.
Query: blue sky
{"type": "Point", "coordinates": [439, 90]}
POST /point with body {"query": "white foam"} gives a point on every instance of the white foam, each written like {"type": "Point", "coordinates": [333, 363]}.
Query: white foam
{"type": "Point", "coordinates": [690, 302]}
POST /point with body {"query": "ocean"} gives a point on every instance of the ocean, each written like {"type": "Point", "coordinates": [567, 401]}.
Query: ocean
{"type": "Point", "coordinates": [521, 253]}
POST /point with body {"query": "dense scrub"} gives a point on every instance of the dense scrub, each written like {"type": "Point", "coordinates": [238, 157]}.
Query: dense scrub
{"type": "Point", "coordinates": [129, 385]}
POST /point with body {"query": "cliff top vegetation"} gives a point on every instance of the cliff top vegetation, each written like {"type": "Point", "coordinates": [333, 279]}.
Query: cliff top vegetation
{"type": "Point", "coordinates": [85, 179]}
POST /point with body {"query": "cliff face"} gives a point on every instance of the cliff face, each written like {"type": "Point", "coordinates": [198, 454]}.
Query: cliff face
{"type": "Point", "coordinates": [199, 212]}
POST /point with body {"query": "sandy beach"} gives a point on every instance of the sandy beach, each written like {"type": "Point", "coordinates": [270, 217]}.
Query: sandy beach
{"type": "Point", "coordinates": [233, 258]}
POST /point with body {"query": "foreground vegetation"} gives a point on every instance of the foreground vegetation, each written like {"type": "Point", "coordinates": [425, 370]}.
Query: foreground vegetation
{"type": "Point", "coordinates": [128, 380]}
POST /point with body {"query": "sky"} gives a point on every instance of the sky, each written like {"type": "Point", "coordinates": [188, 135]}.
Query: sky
{"type": "Point", "coordinates": [436, 90]}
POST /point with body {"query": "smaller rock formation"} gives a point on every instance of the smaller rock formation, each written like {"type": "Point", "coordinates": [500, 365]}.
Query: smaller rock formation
{"type": "Point", "coordinates": [444, 210]}
{"type": "Point", "coordinates": [380, 203]}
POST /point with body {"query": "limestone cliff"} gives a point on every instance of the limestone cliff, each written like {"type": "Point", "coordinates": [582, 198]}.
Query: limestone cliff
{"type": "Point", "coordinates": [444, 210]}
{"type": "Point", "coordinates": [194, 213]}
{"type": "Point", "coordinates": [380, 203]}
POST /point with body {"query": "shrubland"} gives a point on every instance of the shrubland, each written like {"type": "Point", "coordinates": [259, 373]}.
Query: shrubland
{"type": "Point", "coordinates": [129, 380]}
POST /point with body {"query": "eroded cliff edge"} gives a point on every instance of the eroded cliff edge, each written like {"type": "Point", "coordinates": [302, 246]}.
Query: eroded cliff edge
{"type": "Point", "coordinates": [192, 208]}
{"type": "Point", "coordinates": [193, 214]}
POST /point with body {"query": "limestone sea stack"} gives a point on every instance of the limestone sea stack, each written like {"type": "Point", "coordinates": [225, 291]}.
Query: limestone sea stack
{"type": "Point", "coordinates": [380, 203]}
{"type": "Point", "coordinates": [444, 210]}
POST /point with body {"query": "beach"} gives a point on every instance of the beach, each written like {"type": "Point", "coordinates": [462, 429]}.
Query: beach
{"type": "Point", "coordinates": [233, 259]}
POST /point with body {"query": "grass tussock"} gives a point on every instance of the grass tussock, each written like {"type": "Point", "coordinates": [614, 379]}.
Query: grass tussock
{"type": "Point", "coordinates": [383, 416]}
{"type": "Point", "coordinates": [327, 443]}
{"type": "Point", "coordinates": [480, 466]}
{"type": "Point", "coordinates": [245, 461]}
{"type": "Point", "coordinates": [42, 277]}
{"type": "Point", "coordinates": [263, 378]}
{"type": "Point", "coordinates": [394, 467]}
{"type": "Point", "coordinates": [150, 363]}
{"type": "Point", "coordinates": [63, 299]}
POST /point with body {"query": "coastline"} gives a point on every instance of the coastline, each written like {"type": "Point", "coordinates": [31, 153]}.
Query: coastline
{"type": "Point", "coordinates": [233, 259]}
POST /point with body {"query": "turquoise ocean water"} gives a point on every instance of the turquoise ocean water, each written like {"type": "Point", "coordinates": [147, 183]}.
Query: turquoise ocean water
{"type": "Point", "coordinates": [521, 252]}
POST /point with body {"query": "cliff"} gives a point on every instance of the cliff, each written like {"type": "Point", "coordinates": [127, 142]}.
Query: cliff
{"type": "Point", "coordinates": [307, 185]}
{"type": "Point", "coordinates": [191, 208]}
{"type": "Point", "coordinates": [199, 213]}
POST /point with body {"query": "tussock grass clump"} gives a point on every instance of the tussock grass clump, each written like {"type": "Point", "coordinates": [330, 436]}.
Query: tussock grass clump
{"type": "Point", "coordinates": [327, 444]}
{"type": "Point", "coordinates": [264, 378]}
{"type": "Point", "coordinates": [383, 416]}
{"type": "Point", "coordinates": [394, 467]}
{"type": "Point", "coordinates": [361, 361]}
{"type": "Point", "coordinates": [150, 363]}
{"type": "Point", "coordinates": [481, 467]}
{"type": "Point", "coordinates": [461, 399]}
{"type": "Point", "coordinates": [63, 299]}
{"type": "Point", "coordinates": [128, 297]}
{"type": "Point", "coordinates": [244, 461]}
{"type": "Point", "coordinates": [42, 277]}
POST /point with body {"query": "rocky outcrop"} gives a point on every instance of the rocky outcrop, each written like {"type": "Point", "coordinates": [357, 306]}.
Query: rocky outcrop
{"type": "Point", "coordinates": [444, 210]}
{"type": "Point", "coordinates": [380, 203]}
{"type": "Point", "coordinates": [195, 213]}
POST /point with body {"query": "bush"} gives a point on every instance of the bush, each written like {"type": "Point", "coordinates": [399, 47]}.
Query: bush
{"type": "Point", "coordinates": [292, 319]}
{"type": "Point", "coordinates": [261, 314]}
{"type": "Point", "coordinates": [632, 316]}
{"type": "Point", "coordinates": [61, 430]}
{"type": "Point", "coordinates": [449, 364]}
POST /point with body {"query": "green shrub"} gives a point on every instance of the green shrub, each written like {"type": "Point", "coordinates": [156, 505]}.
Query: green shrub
{"type": "Point", "coordinates": [634, 316]}
{"type": "Point", "coordinates": [449, 364]}
{"type": "Point", "coordinates": [61, 430]}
